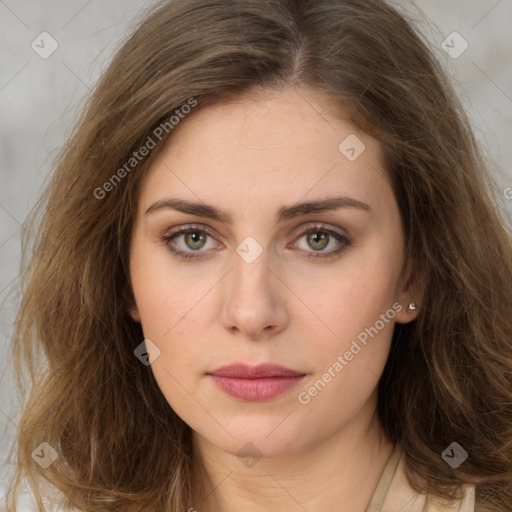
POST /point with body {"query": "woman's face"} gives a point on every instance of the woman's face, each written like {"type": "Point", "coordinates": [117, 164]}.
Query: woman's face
{"type": "Point", "coordinates": [274, 278]}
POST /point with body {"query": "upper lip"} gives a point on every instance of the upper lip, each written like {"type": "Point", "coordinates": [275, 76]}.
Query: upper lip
{"type": "Point", "coordinates": [244, 371]}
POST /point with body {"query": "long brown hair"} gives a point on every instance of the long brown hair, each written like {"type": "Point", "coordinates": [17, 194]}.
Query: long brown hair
{"type": "Point", "coordinates": [449, 373]}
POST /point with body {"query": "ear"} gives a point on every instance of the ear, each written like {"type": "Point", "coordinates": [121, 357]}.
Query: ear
{"type": "Point", "coordinates": [133, 312]}
{"type": "Point", "coordinates": [131, 306]}
{"type": "Point", "coordinates": [128, 297]}
{"type": "Point", "coordinates": [410, 289]}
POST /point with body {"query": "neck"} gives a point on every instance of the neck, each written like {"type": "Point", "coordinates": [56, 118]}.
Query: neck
{"type": "Point", "coordinates": [339, 472]}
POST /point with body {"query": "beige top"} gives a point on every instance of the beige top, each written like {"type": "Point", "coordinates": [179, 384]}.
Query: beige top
{"type": "Point", "coordinates": [394, 494]}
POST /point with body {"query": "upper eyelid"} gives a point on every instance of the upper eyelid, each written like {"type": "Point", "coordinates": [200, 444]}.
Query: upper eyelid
{"type": "Point", "coordinates": [192, 227]}
{"type": "Point", "coordinates": [181, 230]}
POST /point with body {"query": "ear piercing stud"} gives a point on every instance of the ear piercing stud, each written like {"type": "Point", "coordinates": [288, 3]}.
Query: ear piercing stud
{"type": "Point", "coordinates": [412, 306]}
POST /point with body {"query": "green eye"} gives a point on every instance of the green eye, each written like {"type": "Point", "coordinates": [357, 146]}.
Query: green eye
{"type": "Point", "coordinates": [319, 237]}
{"type": "Point", "coordinates": [195, 238]}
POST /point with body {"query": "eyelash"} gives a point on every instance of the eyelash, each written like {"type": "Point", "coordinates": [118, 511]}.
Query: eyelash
{"type": "Point", "coordinates": [187, 256]}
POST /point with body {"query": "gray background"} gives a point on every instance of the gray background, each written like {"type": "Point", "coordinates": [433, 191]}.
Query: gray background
{"type": "Point", "coordinates": [40, 98]}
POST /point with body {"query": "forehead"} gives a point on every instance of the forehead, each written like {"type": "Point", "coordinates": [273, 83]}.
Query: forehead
{"type": "Point", "coordinates": [288, 143]}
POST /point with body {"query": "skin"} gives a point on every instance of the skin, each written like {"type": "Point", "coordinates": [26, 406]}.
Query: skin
{"type": "Point", "coordinates": [249, 158]}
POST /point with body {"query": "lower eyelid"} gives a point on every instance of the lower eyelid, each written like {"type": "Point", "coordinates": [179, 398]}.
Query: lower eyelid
{"type": "Point", "coordinates": [343, 244]}
{"type": "Point", "coordinates": [342, 239]}
{"type": "Point", "coordinates": [170, 240]}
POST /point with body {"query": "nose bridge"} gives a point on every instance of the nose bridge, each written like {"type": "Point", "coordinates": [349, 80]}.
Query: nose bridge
{"type": "Point", "coordinates": [250, 276]}
{"type": "Point", "coordinates": [251, 303]}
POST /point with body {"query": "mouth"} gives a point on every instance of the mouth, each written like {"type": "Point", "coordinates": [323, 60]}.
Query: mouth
{"type": "Point", "coordinates": [256, 383]}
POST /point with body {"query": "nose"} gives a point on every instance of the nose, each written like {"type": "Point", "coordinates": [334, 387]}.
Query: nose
{"type": "Point", "coordinates": [253, 303]}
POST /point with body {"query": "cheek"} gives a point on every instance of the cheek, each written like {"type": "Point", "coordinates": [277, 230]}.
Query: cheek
{"type": "Point", "coordinates": [164, 294]}
{"type": "Point", "coordinates": [350, 357]}
{"type": "Point", "coordinates": [356, 309]}
{"type": "Point", "coordinates": [174, 308]}
{"type": "Point", "coordinates": [164, 297]}
{"type": "Point", "coordinates": [353, 295]}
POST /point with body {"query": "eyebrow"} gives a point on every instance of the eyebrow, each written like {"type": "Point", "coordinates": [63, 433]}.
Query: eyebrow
{"type": "Point", "coordinates": [284, 213]}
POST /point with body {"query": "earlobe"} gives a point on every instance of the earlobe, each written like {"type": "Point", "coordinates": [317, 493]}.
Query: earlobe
{"type": "Point", "coordinates": [130, 303]}
{"type": "Point", "coordinates": [134, 313]}
{"type": "Point", "coordinates": [410, 295]}
{"type": "Point", "coordinates": [407, 313]}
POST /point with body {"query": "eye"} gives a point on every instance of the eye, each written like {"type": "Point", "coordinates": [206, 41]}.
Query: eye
{"type": "Point", "coordinates": [188, 242]}
{"type": "Point", "coordinates": [319, 237]}
{"type": "Point", "coordinates": [193, 239]}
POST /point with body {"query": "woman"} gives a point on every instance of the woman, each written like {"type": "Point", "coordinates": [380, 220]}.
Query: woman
{"type": "Point", "coordinates": [270, 274]}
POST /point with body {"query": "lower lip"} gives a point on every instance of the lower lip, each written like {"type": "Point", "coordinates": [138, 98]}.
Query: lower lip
{"type": "Point", "coordinates": [254, 390]}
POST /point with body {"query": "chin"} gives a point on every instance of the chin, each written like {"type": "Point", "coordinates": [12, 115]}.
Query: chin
{"type": "Point", "coordinates": [256, 440]}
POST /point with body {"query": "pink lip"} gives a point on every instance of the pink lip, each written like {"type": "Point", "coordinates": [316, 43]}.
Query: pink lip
{"type": "Point", "coordinates": [255, 383]}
